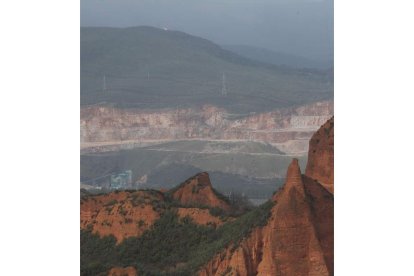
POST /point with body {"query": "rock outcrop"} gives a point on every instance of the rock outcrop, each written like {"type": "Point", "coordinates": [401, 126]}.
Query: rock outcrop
{"type": "Point", "coordinates": [126, 214]}
{"type": "Point", "coordinates": [289, 129]}
{"type": "Point", "coordinates": [297, 240]}
{"type": "Point", "coordinates": [197, 191]}
{"type": "Point", "coordinates": [320, 164]}
{"type": "Point", "coordinates": [298, 237]}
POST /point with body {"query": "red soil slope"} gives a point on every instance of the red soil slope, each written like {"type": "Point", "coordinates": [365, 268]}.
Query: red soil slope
{"type": "Point", "coordinates": [199, 216]}
{"type": "Point", "coordinates": [122, 214]}
{"type": "Point", "coordinates": [128, 214]}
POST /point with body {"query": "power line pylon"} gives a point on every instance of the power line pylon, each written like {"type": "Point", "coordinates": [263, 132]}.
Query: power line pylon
{"type": "Point", "coordinates": [104, 83]}
{"type": "Point", "coordinates": [223, 86]}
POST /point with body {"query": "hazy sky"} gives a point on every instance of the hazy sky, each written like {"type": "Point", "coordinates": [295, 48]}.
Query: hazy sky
{"type": "Point", "coordinates": [301, 27]}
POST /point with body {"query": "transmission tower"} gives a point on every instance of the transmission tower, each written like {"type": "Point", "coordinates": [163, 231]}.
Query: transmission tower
{"type": "Point", "coordinates": [104, 83]}
{"type": "Point", "coordinates": [223, 86]}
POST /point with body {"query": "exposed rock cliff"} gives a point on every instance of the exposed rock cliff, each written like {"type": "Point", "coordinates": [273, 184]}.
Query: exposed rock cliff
{"type": "Point", "coordinates": [298, 237]}
{"type": "Point", "coordinates": [297, 240]}
{"type": "Point", "coordinates": [197, 191]}
{"type": "Point", "coordinates": [129, 213]}
{"type": "Point", "coordinates": [290, 128]}
{"type": "Point", "coordinates": [320, 164]}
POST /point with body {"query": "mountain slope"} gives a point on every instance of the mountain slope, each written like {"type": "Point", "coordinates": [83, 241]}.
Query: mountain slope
{"type": "Point", "coordinates": [276, 58]}
{"type": "Point", "coordinates": [147, 67]}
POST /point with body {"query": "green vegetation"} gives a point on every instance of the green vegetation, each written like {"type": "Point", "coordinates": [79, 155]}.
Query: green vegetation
{"type": "Point", "coordinates": [112, 202]}
{"type": "Point", "coordinates": [172, 246]}
{"type": "Point", "coordinates": [217, 212]}
{"type": "Point", "coordinates": [97, 254]}
{"type": "Point", "coordinates": [147, 67]}
{"type": "Point", "coordinates": [141, 223]}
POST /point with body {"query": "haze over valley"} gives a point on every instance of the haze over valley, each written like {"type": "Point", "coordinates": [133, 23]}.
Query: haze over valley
{"type": "Point", "coordinates": [197, 119]}
{"type": "Point", "coordinates": [164, 105]}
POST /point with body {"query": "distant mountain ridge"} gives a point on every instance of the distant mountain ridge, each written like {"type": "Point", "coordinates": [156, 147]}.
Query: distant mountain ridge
{"type": "Point", "coordinates": [146, 67]}
{"type": "Point", "coordinates": [278, 58]}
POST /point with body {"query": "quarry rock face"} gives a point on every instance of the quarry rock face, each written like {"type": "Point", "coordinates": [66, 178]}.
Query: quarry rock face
{"type": "Point", "coordinates": [320, 164]}
{"type": "Point", "coordinates": [197, 191]}
{"type": "Point", "coordinates": [289, 128]}
{"type": "Point", "coordinates": [298, 237]}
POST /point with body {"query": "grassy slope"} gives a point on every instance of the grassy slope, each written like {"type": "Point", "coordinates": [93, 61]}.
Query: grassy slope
{"type": "Point", "coordinates": [185, 70]}
{"type": "Point", "coordinates": [277, 58]}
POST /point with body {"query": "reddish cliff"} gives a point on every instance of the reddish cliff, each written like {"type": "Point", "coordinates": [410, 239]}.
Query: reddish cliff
{"type": "Point", "coordinates": [320, 164]}
{"type": "Point", "coordinates": [299, 236]}
{"type": "Point", "coordinates": [297, 240]}
{"type": "Point", "coordinates": [197, 191]}
{"type": "Point", "coordinates": [128, 214]}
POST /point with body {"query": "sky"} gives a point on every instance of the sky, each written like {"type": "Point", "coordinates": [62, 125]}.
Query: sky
{"type": "Point", "coordinates": [299, 27]}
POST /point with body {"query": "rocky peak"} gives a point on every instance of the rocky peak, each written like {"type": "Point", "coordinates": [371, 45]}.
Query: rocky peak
{"type": "Point", "coordinates": [320, 164]}
{"type": "Point", "coordinates": [293, 175]}
{"type": "Point", "coordinates": [293, 179]}
{"type": "Point", "coordinates": [298, 236]}
{"type": "Point", "coordinates": [198, 190]}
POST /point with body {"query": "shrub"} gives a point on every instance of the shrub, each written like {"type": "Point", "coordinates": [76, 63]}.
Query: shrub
{"type": "Point", "coordinates": [217, 212]}
{"type": "Point", "coordinates": [112, 202]}
{"type": "Point", "coordinates": [168, 242]}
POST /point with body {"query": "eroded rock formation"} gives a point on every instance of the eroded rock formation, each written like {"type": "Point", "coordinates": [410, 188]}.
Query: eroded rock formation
{"type": "Point", "coordinates": [126, 214]}
{"type": "Point", "coordinates": [298, 237]}
{"type": "Point", "coordinates": [197, 191]}
{"type": "Point", "coordinates": [320, 164]}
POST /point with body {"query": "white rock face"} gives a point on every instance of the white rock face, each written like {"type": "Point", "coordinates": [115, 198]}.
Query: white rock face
{"type": "Point", "coordinates": [289, 129]}
{"type": "Point", "coordinates": [308, 121]}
